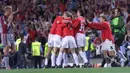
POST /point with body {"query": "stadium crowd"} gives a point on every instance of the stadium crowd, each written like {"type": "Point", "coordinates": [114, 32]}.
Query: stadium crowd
{"type": "Point", "coordinates": [31, 21]}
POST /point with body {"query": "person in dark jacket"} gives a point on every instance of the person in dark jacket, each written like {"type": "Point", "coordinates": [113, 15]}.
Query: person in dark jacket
{"type": "Point", "coordinates": [22, 53]}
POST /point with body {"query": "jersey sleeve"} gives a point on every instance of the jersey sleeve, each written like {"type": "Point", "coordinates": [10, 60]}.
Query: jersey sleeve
{"type": "Point", "coordinates": [98, 26]}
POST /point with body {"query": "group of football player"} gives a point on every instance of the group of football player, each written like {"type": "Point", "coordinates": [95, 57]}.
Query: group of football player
{"type": "Point", "coordinates": [67, 35]}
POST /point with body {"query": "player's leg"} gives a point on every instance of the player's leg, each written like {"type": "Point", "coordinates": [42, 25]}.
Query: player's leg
{"type": "Point", "coordinates": [82, 54]}
{"type": "Point", "coordinates": [109, 54]}
{"type": "Point", "coordinates": [112, 54]}
{"type": "Point", "coordinates": [72, 46]}
{"type": "Point", "coordinates": [75, 57]}
{"type": "Point", "coordinates": [50, 45]}
{"type": "Point", "coordinates": [103, 62]}
{"type": "Point", "coordinates": [53, 57]}
{"type": "Point", "coordinates": [106, 58]}
{"type": "Point", "coordinates": [105, 55]}
{"type": "Point", "coordinates": [112, 51]}
{"type": "Point", "coordinates": [105, 52]}
{"type": "Point", "coordinates": [63, 46]}
{"type": "Point", "coordinates": [81, 42]}
{"type": "Point", "coordinates": [57, 45]}
{"type": "Point", "coordinates": [67, 53]}
{"type": "Point", "coordinates": [47, 56]}
{"type": "Point", "coordinates": [59, 58]}
{"type": "Point", "coordinates": [65, 58]}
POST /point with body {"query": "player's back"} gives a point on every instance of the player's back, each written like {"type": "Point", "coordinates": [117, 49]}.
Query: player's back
{"type": "Point", "coordinates": [60, 26]}
{"type": "Point", "coordinates": [54, 25]}
{"type": "Point", "coordinates": [68, 30]}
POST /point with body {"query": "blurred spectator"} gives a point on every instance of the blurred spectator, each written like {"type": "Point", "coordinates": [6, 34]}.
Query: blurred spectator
{"type": "Point", "coordinates": [71, 4]}
{"type": "Point", "coordinates": [96, 18]}
{"type": "Point", "coordinates": [89, 48]}
{"type": "Point", "coordinates": [98, 46]}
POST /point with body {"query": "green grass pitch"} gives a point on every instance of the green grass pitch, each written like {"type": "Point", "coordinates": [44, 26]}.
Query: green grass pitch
{"type": "Point", "coordinates": [70, 70]}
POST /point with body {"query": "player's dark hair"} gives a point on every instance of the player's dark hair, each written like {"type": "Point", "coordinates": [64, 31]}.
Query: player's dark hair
{"type": "Point", "coordinates": [21, 37]}
{"type": "Point", "coordinates": [74, 10]}
{"type": "Point", "coordinates": [81, 12]}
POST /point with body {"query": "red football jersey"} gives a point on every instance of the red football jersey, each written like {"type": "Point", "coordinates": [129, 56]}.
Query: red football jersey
{"type": "Point", "coordinates": [105, 29]}
{"type": "Point", "coordinates": [60, 26]}
{"type": "Point", "coordinates": [54, 25]}
{"type": "Point", "coordinates": [79, 24]}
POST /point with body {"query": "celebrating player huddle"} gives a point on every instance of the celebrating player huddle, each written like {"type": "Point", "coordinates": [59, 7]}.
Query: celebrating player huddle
{"type": "Point", "coordinates": [67, 35]}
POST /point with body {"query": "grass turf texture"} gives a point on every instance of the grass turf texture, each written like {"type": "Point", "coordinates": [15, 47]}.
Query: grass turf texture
{"type": "Point", "coordinates": [70, 70]}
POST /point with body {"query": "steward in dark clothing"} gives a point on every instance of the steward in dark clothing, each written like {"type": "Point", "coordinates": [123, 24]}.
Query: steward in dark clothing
{"type": "Point", "coordinates": [22, 54]}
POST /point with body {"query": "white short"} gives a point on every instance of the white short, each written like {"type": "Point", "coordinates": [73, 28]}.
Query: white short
{"type": "Point", "coordinates": [50, 40]}
{"type": "Point", "coordinates": [57, 41]}
{"type": "Point", "coordinates": [108, 45]}
{"type": "Point", "coordinates": [69, 42]}
{"type": "Point", "coordinates": [80, 40]}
